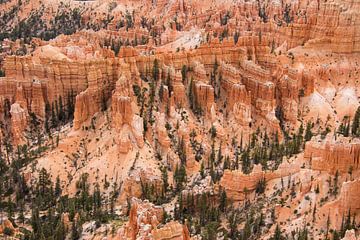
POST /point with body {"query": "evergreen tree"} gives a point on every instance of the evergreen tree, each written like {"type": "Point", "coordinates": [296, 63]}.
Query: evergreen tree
{"type": "Point", "coordinates": [44, 182]}
{"type": "Point", "coordinates": [277, 235]}
{"type": "Point", "coordinates": [60, 231]}
{"type": "Point", "coordinates": [202, 170]}
{"type": "Point", "coordinates": [308, 133]}
{"type": "Point", "coordinates": [164, 175]}
{"type": "Point", "coordinates": [75, 231]}
{"type": "Point", "coordinates": [223, 200]}
{"type": "Point", "coordinates": [57, 187]}
{"type": "Point", "coordinates": [180, 177]}
{"type": "Point", "coordinates": [156, 71]}
{"type": "Point", "coordinates": [355, 130]}
{"type": "Point", "coordinates": [61, 113]}
{"type": "Point", "coordinates": [183, 73]}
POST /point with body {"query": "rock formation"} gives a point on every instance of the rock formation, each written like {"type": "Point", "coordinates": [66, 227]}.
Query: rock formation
{"type": "Point", "coordinates": [18, 122]}
{"type": "Point", "coordinates": [176, 96]}
{"type": "Point", "coordinates": [237, 184]}
{"type": "Point", "coordinates": [333, 155]}
{"type": "Point", "coordinates": [171, 230]}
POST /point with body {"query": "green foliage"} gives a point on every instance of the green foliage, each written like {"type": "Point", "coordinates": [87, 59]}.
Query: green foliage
{"type": "Point", "coordinates": [164, 176]}
{"type": "Point", "coordinates": [213, 132]}
{"type": "Point", "coordinates": [287, 18]}
{"type": "Point", "coordinates": [223, 200]}
{"type": "Point", "coordinates": [344, 127]}
{"type": "Point", "coordinates": [355, 127]}
{"type": "Point", "coordinates": [180, 177]}
{"type": "Point", "coordinates": [262, 14]}
{"type": "Point", "coordinates": [308, 133]}
{"type": "Point", "coordinates": [156, 71]}
{"type": "Point", "coordinates": [8, 231]}
{"type": "Point", "coordinates": [260, 186]}
{"type": "Point", "coordinates": [184, 71]}
{"type": "Point", "coordinates": [129, 20]}
{"type": "Point", "coordinates": [236, 37]}
{"type": "Point", "coordinates": [224, 19]}
{"type": "Point", "coordinates": [197, 209]}
{"type": "Point", "coordinates": [58, 187]}
{"type": "Point", "coordinates": [277, 234]}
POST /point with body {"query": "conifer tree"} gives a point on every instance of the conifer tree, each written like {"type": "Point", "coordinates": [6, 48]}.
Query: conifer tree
{"type": "Point", "coordinates": [277, 234]}
{"type": "Point", "coordinates": [156, 71]}
{"type": "Point", "coordinates": [355, 130]}
{"type": "Point", "coordinates": [223, 200]}
{"type": "Point", "coordinates": [308, 133]}
{"type": "Point", "coordinates": [57, 187]}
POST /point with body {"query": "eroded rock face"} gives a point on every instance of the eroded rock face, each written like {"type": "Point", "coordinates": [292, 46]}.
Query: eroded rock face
{"type": "Point", "coordinates": [144, 223]}
{"type": "Point", "coordinates": [143, 217]}
{"type": "Point", "coordinates": [133, 184]}
{"type": "Point", "coordinates": [126, 123]}
{"type": "Point", "coordinates": [18, 123]}
{"type": "Point", "coordinates": [237, 184]}
{"type": "Point", "coordinates": [172, 231]}
{"type": "Point", "coordinates": [298, 59]}
{"type": "Point", "coordinates": [333, 155]}
{"type": "Point", "coordinates": [204, 96]}
{"type": "Point", "coordinates": [350, 235]}
{"type": "Point", "coordinates": [6, 224]}
{"type": "Point", "coordinates": [347, 201]}
{"type": "Point", "coordinates": [349, 197]}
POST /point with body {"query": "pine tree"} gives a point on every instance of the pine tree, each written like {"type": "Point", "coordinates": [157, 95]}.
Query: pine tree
{"type": "Point", "coordinates": [223, 200]}
{"type": "Point", "coordinates": [213, 132]}
{"type": "Point", "coordinates": [246, 162]}
{"type": "Point", "coordinates": [61, 115]}
{"type": "Point", "coordinates": [103, 102]}
{"type": "Point", "coordinates": [336, 187]}
{"type": "Point", "coordinates": [191, 95]}
{"type": "Point", "coordinates": [277, 235]}
{"type": "Point", "coordinates": [57, 187]}
{"type": "Point", "coordinates": [355, 130]}
{"type": "Point", "coordinates": [180, 177]}
{"type": "Point", "coordinates": [308, 133]}
{"type": "Point", "coordinates": [60, 231]}
{"type": "Point", "coordinates": [183, 73]}
{"type": "Point", "coordinates": [156, 71]}
{"type": "Point", "coordinates": [164, 175]}
{"type": "Point", "coordinates": [202, 170]}
{"type": "Point", "coordinates": [53, 116]}
{"type": "Point", "coordinates": [75, 233]}
{"type": "Point", "coordinates": [247, 230]}
{"type": "Point", "coordinates": [44, 181]}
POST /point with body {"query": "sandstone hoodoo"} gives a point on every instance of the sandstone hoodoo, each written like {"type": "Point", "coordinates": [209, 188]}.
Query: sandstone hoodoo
{"type": "Point", "coordinates": [178, 120]}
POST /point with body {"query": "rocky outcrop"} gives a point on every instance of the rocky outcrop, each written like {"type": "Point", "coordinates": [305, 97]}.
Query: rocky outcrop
{"type": "Point", "coordinates": [144, 221]}
{"type": "Point", "coordinates": [143, 217]}
{"type": "Point", "coordinates": [6, 224]}
{"type": "Point", "coordinates": [239, 104]}
{"type": "Point", "coordinates": [97, 92]}
{"type": "Point", "coordinates": [350, 235]}
{"type": "Point", "coordinates": [333, 155]}
{"type": "Point", "coordinates": [348, 200]}
{"type": "Point", "coordinates": [204, 96]}
{"type": "Point", "coordinates": [126, 123]}
{"type": "Point", "coordinates": [349, 197]}
{"type": "Point", "coordinates": [83, 110]}
{"type": "Point", "coordinates": [171, 231]}
{"type": "Point", "coordinates": [133, 185]}
{"type": "Point", "coordinates": [162, 135]}
{"type": "Point", "coordinates": [237, 184]}
{"type": "Point", "coordinates": [18, 123]}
